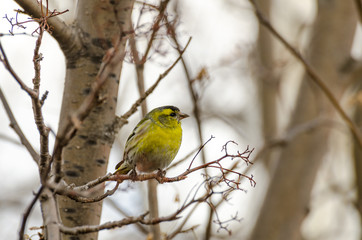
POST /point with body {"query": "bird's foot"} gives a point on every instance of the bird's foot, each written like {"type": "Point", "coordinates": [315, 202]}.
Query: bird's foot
{"type": "Point", "coordinates": [133, 174]}
{"type": "Point", "coordinates": [160, 175]}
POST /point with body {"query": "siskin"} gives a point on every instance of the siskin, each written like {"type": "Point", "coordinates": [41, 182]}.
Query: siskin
{"type": "Point", "coordinates": [154, 142]}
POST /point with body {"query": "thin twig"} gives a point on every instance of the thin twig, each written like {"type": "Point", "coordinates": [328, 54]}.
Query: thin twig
{"type": "Point", "coordinates": [8, 67]}
{"type": "Point", "coordinates": [123, 212]}
{"type": "Point", "coordinates": [200, 149]}
{"type": "Point", "coordinates": [139, 65]}
{"type": "Point", "coordinates": [140, 219]}
{"type": "Point", "coordinates": [312, 74]}
{"type": "Point", "coordinates": [244, 156]}
{"type": "Point", "coordinates": [65, 35]}
{"type": "Point", "coordinates": [195, 100]}
{"type": "Point", "coordinates": [155, 27]}
{"type": "Point", "coordinates": [196, 111]}
{"type": "Point", "coordinates": [120, 121]}
{"type": "Point", "coordinates": [213, 164]}
{"type": "Point", "coordinates": [178, 162]}
{"type": "Point", "coordinates": [27, 213]}
{"type": "Point", "coordinates": [185, 219]}
{"type": "Point", "coordinates": [37, 105]}
{"type": "Point", "coordinates": [78, 198]}
{"type": "Point", "coordinates": [14, 125]}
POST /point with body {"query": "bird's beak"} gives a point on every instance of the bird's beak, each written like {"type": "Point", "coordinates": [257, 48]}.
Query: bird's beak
{"type": "Point", "coordinates": [183, 115]}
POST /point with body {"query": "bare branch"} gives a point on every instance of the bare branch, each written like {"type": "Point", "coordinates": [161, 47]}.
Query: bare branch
{"type": "Point", "coordinates": [359, 9]}
{"type": "Point", "coordinates": [78, 198]}
{"type": "Point", "coordinates": [120, 121]}
{"type": "Point", "coordinates": [127, 215]}
{"type": "Point", "coordinates": [27, 213]}
{"type": "Point", "coordinates": [60, 31]}
{"type": "Point", "coordinates": [194, 96]}
{"type": "Point", "coordinates": [309, 126]}
{"type": "Point", "coordinates": [5, 61]}
{"type": "Point", "coordinates": [78, 193]}
{"type": "Point", "coordinates": [244, 156]}
{"type": "Point", "coordinates": [312, 74]}
{"type": "Point", "coordinates": [152, 185]}
{"type": "Point", "coordinates": [14, 125]}
{"type": "Point", "coordinates": [140, 219]}
{"type": "Point", "coordinates": [50, 215]}
{"type": "Point", "coordinates": [200, 149]}
{"type": "Point", "coordinates": [37, 104]}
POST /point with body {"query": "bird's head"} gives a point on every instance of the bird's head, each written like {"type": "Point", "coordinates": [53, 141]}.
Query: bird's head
{"type": "Point", "coordinates": [168, 116]}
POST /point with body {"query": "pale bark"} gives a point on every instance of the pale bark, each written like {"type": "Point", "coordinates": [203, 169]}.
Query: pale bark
{"type": "Point", "coordinates": [288, 196]}
{"type": "Point", "coordinates": [357, 150]}
{"type": "Point", "coordinates": [85, 158]}
{"type": "Point", "coordinates": [267, 82]}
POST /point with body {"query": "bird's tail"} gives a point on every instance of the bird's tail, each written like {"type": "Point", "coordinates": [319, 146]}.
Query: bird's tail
{"type": "Point", "coordinates": [122, 168]}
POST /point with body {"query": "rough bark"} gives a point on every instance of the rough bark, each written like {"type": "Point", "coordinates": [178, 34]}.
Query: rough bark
{"type": "Point", "coordinates": [286, 202]}
{"type": "Point", "coordinates": [357, 151]}
{"type": "Point", "coordinates": [85, 158]}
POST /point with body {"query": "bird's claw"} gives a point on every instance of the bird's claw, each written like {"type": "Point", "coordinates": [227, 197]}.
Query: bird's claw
{"type": "Point", "coordinates": [160, 175]}
{"type": "Point", "coordinates": [133, 174]}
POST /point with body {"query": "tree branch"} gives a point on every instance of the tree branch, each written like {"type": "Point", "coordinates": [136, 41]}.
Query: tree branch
{"type": "Point", "coordinates": [359, 9]}
{"type": "Point", "coordinates": [142, 218]}
{"type": "Point", "coordinates": [120, 121]}
{"type": "Point", "coordinates": [14, 125]}
{"type": "Point", "coordinates": [37, 104]}
{"type": "Point", "coordinates": [5, 61]}
{"type": "Point", "coordinates": [63, 33]}
{"type": "Point", "coordinates": [312, 74]}
{"type": "Point", "coordinates": [50, 215]}
{"type": "Point", "coordinates": [27, 213]}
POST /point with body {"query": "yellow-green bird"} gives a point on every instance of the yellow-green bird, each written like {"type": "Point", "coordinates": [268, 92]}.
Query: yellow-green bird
{"type": "Point", "coordinates": [154, 142]}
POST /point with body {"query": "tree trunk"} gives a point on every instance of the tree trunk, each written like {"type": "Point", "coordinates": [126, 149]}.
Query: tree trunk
{"type": "Point", "coordinates": [286, 202]}
{"type": "Point", "coordinates": [85, 158]}
{"type": "Point", "coordinates": [357, 151]}
{"type": "Point", "coordinates": [267, 83]}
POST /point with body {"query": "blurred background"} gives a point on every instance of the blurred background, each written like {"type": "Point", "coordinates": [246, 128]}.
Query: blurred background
{"type": "Point", "coordinates": [252, 91]}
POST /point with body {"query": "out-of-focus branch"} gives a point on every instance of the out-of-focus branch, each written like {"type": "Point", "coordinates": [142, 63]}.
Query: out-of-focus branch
{"type": "Point", "coordinates": [127, 215]}
{"type": "Point", "coordinates": [155, 27]}
{"type": "Point", "coordinates": [179, 230]}
{"type": "Point", "coordinates": [310, 71]}
{"type": "Point", "coordinates": [14, 125]}
{"type": "Point", "coordinates": [196, 110]}
{"type": "Point", "coordinates": [172, 32]}
{"type": "Point", "coordinates": [292, 134]}
{"type": "Point", "coordinates": [120, 121]}
{"type": "Point", "coordinates": [359, 9]}
{"type": "Point", "coordinates": [139, 64]}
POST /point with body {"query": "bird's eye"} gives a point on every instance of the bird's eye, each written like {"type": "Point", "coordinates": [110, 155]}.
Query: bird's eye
{"type": "Point", "coordinates": [173, 114]}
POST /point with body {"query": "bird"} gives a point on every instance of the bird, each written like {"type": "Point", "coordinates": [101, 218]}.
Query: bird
{"type": "Point", "coordinates": [154, 142]}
